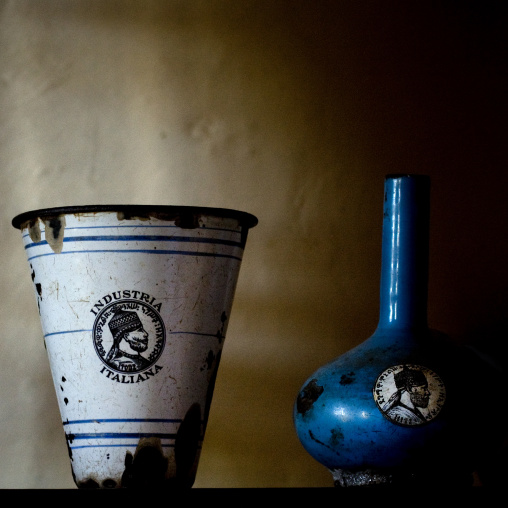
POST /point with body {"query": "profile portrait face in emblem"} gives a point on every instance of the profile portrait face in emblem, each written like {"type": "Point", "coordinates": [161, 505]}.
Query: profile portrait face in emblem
{"type": "Point", "coordinates": [412, 395]}
{"type": "Point", "coordinates": [414, 383]}
{"type": "Point", "coordinates": [130, 339]}
{"type": "Point", "coordinates": [419, 395]}
{"type": "Point", "coordinates": [137, 339]}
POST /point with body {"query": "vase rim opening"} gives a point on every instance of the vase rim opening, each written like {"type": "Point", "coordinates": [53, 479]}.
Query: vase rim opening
{"type": "Point", "coordinates": [394, 176]}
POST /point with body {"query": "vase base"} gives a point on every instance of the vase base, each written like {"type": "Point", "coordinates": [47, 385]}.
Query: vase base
{"type": "Point", "coordinates": [363, 478]}
{"type": "Point", "coordinates": [393, 477]}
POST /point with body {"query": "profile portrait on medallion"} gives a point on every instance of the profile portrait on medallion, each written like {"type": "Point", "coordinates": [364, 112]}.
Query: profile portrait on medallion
{"type": "Point", "coordinates": [129, 335]}
{"type": "Point", "coordinates": [409, 395]}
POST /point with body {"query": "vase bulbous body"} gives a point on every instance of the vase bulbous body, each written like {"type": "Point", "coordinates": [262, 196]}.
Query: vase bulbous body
{"type": "Point", "coordinates": [407, 405]}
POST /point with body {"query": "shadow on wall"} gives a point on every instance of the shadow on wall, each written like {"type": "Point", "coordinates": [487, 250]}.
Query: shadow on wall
{"type": "Point", "coordinates": [293, 112]}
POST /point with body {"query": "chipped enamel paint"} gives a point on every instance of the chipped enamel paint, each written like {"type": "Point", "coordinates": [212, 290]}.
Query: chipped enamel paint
{"type": "Point", "coordinates": [134, 307]}
{"type": "Point", "coordinates": [54, 232]}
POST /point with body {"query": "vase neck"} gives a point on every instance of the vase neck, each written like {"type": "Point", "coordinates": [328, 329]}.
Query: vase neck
{"type": "Point", "coordinates": [405, 252]}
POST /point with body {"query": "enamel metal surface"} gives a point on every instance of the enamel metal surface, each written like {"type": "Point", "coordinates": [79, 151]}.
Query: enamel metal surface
{"type": "Point", "coordinates": [134, 306]}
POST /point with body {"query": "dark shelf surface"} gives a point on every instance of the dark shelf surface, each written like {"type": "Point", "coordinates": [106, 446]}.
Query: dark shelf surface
{"type": "Point", "coordinates": [469, 496]}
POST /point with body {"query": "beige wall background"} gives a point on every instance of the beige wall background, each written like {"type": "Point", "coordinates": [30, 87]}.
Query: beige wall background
{"type": "Point", "coordinates": [293, 111]}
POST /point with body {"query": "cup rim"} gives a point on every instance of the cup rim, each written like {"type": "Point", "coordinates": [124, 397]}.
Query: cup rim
{"type": "Point", "coordinates": [168, 211]}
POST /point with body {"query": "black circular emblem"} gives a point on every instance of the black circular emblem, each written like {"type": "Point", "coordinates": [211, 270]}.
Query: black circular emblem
{"type": "Point", "coordinates": [129, 335]}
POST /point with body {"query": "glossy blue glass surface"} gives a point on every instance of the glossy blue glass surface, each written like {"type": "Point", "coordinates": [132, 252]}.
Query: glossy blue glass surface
{"type": "Point", "coordinates": [335, 414]}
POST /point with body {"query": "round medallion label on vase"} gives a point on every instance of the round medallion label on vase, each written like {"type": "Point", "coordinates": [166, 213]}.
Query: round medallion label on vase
{"type": "Point", "coordinates": [409, 395]}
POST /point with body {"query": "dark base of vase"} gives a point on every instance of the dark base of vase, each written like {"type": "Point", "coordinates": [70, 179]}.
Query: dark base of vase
{"type": "Point", "coordinates": [391, 477]}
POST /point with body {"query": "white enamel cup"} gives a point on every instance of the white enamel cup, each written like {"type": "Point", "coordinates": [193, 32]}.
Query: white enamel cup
{"type": "Point", "coordinates": [134, 303]}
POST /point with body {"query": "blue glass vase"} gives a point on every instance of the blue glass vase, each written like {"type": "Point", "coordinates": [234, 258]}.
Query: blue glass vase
{"type": "Point", "coordinates": [406, 406]}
